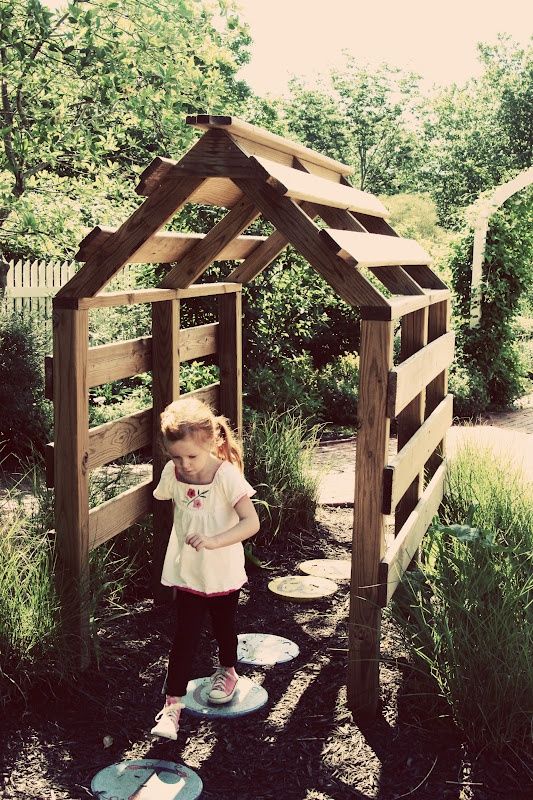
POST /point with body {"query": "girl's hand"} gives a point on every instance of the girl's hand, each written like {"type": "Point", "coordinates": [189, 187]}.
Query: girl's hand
{"type": "Point", "coordinates": [201, 542]}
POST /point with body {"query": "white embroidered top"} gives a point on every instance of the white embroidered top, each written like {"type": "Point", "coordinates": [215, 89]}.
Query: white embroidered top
{"type": "Point", "coordinates": [207, 509]}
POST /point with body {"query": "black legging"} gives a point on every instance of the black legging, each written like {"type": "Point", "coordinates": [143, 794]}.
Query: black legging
{"type": "Point", "coordinates": [191, 610]}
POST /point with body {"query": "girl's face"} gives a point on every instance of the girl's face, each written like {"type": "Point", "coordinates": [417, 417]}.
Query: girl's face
{"type": "Point", "coordinates": [191, 456]}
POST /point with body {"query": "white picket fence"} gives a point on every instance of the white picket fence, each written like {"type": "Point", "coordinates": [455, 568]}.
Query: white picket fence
{"type": "Point", "coordinates": [31, 285]}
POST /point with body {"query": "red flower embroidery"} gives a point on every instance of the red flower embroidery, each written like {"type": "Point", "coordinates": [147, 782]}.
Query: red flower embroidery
{"type": "Point", "coordinates": [197, 503]}
{"type": "Point", "coordinates": [191, 493]}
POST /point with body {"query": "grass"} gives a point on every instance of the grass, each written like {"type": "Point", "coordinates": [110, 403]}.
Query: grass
{"type": "Point", "coordinates": [468, 609]}
{"type": "Point", "coordinates": [278, 450]}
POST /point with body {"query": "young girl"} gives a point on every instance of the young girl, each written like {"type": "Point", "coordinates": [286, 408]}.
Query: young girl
{"type": "Point", "coordinates": [213, 514]}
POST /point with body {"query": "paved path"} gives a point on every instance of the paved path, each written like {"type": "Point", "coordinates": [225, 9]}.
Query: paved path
{"type": "Point", "coordinates": [507, 433]}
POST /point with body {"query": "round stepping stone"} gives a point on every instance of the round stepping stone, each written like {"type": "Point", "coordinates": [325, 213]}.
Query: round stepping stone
{"type": "Point", "coordinates": [337, 569]}
{"type": "Point", "coordinates": [248, 697]}
{"type": "Point", "coordinates": [146, 779]}
{"type": "Point", "coordinates": [264, 649]}
{"type": "Point", "coordinates": [302, 587]}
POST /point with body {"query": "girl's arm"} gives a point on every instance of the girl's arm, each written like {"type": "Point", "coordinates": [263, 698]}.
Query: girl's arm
{"type": "Point", "coordinates": [248, 525]}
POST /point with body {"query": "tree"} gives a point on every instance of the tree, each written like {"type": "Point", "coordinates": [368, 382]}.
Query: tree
{"type": "Point", "coordinates": [107, 83]}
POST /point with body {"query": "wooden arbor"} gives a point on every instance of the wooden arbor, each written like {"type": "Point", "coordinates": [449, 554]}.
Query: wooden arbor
{"type": "Point", "coordinates": [251, 172]}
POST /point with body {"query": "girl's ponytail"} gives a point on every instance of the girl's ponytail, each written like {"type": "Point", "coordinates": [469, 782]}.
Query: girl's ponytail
{"type": "Point", "coordinates": [228, 448]}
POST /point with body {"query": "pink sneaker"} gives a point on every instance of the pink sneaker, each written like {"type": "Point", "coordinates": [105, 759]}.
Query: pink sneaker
{"type": "Point", "coordinates": [223, 686]}
{"type": "Point", "coordinates": [168, 721]}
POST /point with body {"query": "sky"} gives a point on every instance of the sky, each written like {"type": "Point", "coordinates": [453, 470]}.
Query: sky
{"type": "Point", "coordinates": [435, 38]}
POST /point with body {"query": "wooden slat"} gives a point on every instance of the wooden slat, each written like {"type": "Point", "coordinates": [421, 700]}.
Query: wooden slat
{"type": "Point", "coordinates": [300, 230]}
{"type": "Point", "coordinates": [368, 546]}
{"type": "Point", "coordinates": [167, 246]}
{"type": "Point", "coordinates": [217, 192]}
{"type": "Point", "coordinates": [397, 280]}
{"type": "Point", "coordinates": [112, 362]}
{"type": "Point", "coordinates": [117, 514]}
{"type": "Point", "coordinates": [438, 325]}
{"type": "Point", "coordinates": [398, 306]}
{"type": "Point", "coordinates": [199, 341]}
{"type": "Point", "coordinates": [425, 276]}
{"type": "Point", "coordinates": [239, 128]}
{"type": "Point", "coordinates": [303, 186]}
{"type": "Point", "coordinates": [207, 394]}
{"type": "Point", "coordinates": [406, 465]}
{"type": "Point", "coordinates": [403, 549]}
{"type": "Point", "coordinates": [196, 261]}
{"type": "Point", "coordinates": [230, 358]}
{"type": "Point", "coordinates": [375, 250]}
{"type": "Point", "coordinates": [115, 439]}
{"type": "Point", "coordinates": [113, 299]}
{"type": "Point", "coordinates": [208, 289]}
{"type": "Point", "coordinates": [138, 228]}
{"type": "Point", "coordinates": [413, 375]}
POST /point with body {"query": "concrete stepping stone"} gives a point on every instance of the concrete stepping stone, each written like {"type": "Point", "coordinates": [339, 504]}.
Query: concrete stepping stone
{"type": "Point", "coordinates": [302, 587]}
{"type": "Point", "coordinates": [146, 779]}
{"type": "Point", "coordinates": [265, 649]}
{"type": "Point", "coordinates": [336, 569]}
{"type": "Point", "coordinates": [248, 697]}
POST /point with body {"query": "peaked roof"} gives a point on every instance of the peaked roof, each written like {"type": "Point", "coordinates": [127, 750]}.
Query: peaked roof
{"type": "Point", "coordinates": [252, 172]}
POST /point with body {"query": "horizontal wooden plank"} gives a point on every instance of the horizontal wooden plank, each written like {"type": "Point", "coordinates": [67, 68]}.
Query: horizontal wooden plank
{"type": "Point", "coordinates": [239, 128]}
{"type": "Point", "coordinates": [411, 459]}
{"type": "Point", "coordinates": [406, 543]}
{"type": "Point", "coordinates": [399, 306]}
{"type": "Point", "coordinates": [113, 362]}
{"type": "Point", "coordinates": [301, 185]}
{"type": "Point", "coordinates": [413, 375]}
{"type": "Point", "coordinates": [207, 394]}
{"type": "Point", "coordinates": [425, 276]}
{"type": "Point", "coordinates": [375, 250]}
{"type": "Point", "coordinates": [117, 514]}
{"type": "Point", "coordinates": [208, 289]}
{"type": "Point", "coordinates": [119, 437]}
{"type": "Point", "coordinates": [166, 246]}
{"type": "Point", "coordinates": [217, 192]}
{"type": "Point", "coordinates": [112, 299]}
{"type": "Point", "coordinates": [197, 342]}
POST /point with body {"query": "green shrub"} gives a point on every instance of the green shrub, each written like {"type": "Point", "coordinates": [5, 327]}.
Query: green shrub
{"type": "Point", "coordinates": [25, 420]}
{"type": "Point", "coordinates": [470, 395]}
{"type": "Point", "coordinates": [468, 609]}
{"type": "Point", "coordinates": [338, 383]}
{"type": "Point", "coordinates": [288, 384]}
{"type": "Point", "coordinates": [277, 453]}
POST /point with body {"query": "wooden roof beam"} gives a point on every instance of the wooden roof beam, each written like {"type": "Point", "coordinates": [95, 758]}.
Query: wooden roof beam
{"type": "Point", "coordinates": [375, 250]}
{"type": "Point", "coordinates": [237, 127]}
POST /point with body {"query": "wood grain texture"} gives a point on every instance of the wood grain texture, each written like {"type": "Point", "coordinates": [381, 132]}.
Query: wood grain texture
{"type": "Point", "coordinates": [113, 362]}
{"type": "Point", "coordinates": [199, 341]}
{"type": "Point", "coordinates": [71, 426]}
{"type": "Point", "coordinates": [416, 372]}
{"type": "Point", "coordinates": [119, 437]}
{"type": "Point", "coordinates": [303, 234]}
{"type": "Point", "coordinates": [117, 514]}
{"type": "Point", "coordinates": [230, 358]}
{"type": "Point", "coordinates": [375, 250]}
{"type": "Point", "coordinates": [401, 552]}
{"type": "Point", "coordinates": [397, 280]}
{"type": "Point", "coordinates": [369, 529]}
{"type": "Point", "coordinates": [238, 128]}
{"type": "Point", "coordinates": [196, 261]}
{"type": "Point", "coordinates": [410, 460]}
{"type": "Point", "coordinates": [114, 299]}
{"type": "Point", "coordinates": [166, 246]}
{"type": "Point", "coordinates": [438, 325]}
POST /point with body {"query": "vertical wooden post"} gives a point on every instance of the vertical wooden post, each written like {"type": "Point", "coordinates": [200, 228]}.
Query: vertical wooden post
{"type": "Point", "coordinates": [414, 338]}
{"type": "Point", "coordinates": [438, 323]}
{"type": "Point", "coordinates": [230, 357]}
{"type": "Point", "coordinates": [369, 526]}
{"type": "Point", "coordinates": [165, 389]}
{"type": "Point", "coordinates": [71, 439]}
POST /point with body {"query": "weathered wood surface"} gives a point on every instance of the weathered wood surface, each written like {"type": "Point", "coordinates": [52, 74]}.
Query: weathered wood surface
{"type": "Point", "coordinates": [369, 527]}
{"type": "Point", "coordinates": [71, 424]}
{"type": "Point", "coordinates": [230, 358]}
{"type": "Point", "coordinates": [410, 460]}
{"type": "Point", "coordinates": [166, 246]}
{"type": "Point", "coordinates": [117, 514]}
{"type": "Point", "coordinates": [117, 438]}
{"type": "Point", "coordinates": [416, 372]}
{"type": "Point", "coordinates": [375, 250]}
{"type": "Point", "coordinates": [401, 552]}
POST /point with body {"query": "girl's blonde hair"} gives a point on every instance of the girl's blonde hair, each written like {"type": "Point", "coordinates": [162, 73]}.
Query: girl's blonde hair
{"type": "Point", "coordinates": [192, 417]}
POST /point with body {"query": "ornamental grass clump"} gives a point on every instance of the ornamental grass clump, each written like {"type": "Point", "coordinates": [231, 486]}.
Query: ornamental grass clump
{"type": "Point", "coordinates": [278, 454]}
{"type": "Point", "coordinates": [468, 608]}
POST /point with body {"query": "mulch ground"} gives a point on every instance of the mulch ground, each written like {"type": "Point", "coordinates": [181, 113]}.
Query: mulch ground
{"type": "Point", "coordinates": [303, 745]}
